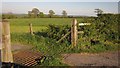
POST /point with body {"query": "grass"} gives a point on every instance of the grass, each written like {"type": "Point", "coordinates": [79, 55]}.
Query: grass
{"type": "Point", "coordinates": [42, 21]}
{"type": "Point", "coordinates": [25, 29]}
{"type": "Point", "coordinates": [48, 46]}
{"type": "Point", "coordinates": [39, 24]}
{"type": "Point", "coordinates": [53, 50]}
{"type": "Point", "coordinates": [19, 34]}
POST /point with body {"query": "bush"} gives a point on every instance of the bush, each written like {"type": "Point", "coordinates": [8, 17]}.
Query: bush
{"type": "Point", "coordinates": [103, 33]}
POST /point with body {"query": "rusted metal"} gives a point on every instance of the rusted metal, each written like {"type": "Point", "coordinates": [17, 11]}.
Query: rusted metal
{"type": "Point", "coordinates": [27, 58]}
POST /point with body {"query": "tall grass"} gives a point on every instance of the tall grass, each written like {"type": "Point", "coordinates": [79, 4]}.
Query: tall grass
{"type": "Point", "coordinates": [46, 46]}
{"type": "Point", "coordinates": [45, 40]}
{"type": "Point", "coordinates": [53, 50]}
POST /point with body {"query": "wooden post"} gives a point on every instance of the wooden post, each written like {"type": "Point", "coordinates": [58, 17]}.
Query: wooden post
{"type": "Point", "coordinates": [31, 31]}
{"type": "Point", "coordinates": [63, 37]}
{"type": "Point", "coordinates": [83, 24]}
{"type": "Point", "coordinates": [7, 53]}
{"type": "Point", "coordinates": [74, 32]}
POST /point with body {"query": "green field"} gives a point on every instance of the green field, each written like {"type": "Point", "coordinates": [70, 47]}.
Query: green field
{"type": "Point", "coordinates": [45, 40]}
{"type": "Point", "coordinates": [22, 25]}
{"type": "Point", "coordinates": [25, 29]}
{"type": "Point", "coordinates": [20, 34]}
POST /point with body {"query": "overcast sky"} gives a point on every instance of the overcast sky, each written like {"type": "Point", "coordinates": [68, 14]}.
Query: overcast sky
{"type": "Point", "coordinates": [72, 8]}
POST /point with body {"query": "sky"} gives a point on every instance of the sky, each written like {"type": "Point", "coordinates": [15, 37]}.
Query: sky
{"type": "Point", "coordinates": [60, 0]}
{"type": "Point", "coordinates": [72, 8]}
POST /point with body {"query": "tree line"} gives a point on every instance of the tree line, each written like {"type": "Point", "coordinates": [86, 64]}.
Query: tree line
{"type": "Point", "coordinates": [35, 13]}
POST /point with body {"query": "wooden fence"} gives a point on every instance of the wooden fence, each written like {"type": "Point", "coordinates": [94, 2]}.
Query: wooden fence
{"type": "Point", "coordinates": [75, 32]}
{"type": "Point", "coordinates": [5, 43]}
{"type": "Point", "coordinates": [5, 37]}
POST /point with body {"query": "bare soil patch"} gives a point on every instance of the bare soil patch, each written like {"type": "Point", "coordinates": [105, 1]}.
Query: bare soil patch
{"type": "Point", "coordinates": [87, 59]}
{"type": "Point", "coordinates": [20, 47]}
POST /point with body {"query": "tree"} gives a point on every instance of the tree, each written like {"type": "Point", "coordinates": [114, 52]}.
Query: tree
{"type": "Point", "coordinates": [29, 13]}
{"type": "Point", "coordinates": [98, 12]}
{"type": "Point", "coordinates": [51, 13]}
{"type": "Point", "coordinates": [35, 12]}
{"type": "Point", "coordinates": [9, 15]}
{"type": "Point", "coordinates": [64, 13]}
{"type": "Point", "coordinates": [41, 14]}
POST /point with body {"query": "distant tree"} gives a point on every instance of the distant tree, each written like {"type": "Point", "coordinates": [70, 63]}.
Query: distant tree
{"type": "Point", "coordinates": [64, 13]}
{"type": "Point", "coordinates": [35, 12]}
{"type": "Point", "coordinates": [51, 13]}
{"type": "Point", "coordinates": [98, 11]}
{"type": "Point", "coordinates": [29, 13]}
{"type": "Point", "coordinates": [9, 15]}
{"type": "Point", "coordinates": [41, 14]}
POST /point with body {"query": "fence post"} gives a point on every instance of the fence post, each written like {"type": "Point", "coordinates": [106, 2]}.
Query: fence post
{"type": "Point", "coordinates": [7, 53]}
{"type": "Point", "coordinates": [74, 32]}
{"type": "Point", "coordinates": [31, 30]}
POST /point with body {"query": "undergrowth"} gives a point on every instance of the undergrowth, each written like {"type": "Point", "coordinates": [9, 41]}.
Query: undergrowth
{"type": "Point", "coordinates": [53, 50]}
{"type": "Point", "coordinates": [98, 37]}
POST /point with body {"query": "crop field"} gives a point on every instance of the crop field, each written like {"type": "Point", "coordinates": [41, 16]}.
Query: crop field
{"type": "Point", "coordinates": [22, 25]}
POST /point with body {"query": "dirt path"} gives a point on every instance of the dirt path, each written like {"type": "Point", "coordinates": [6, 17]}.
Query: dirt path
{"type": "Point", "coordinates": [19, 47]}
{"type": "Point", "coordinates": [84, 59]}
{"type": "Point", "coordinates": [81, 59]}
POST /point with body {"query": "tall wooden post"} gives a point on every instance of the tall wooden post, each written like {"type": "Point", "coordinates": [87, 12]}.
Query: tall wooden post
{"type": "Point", "coordinates": [74, 32]}
{"type": "Point", "coordinates": [7, 53]}
{"type": "Point", "coordinates": [31, 30]}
